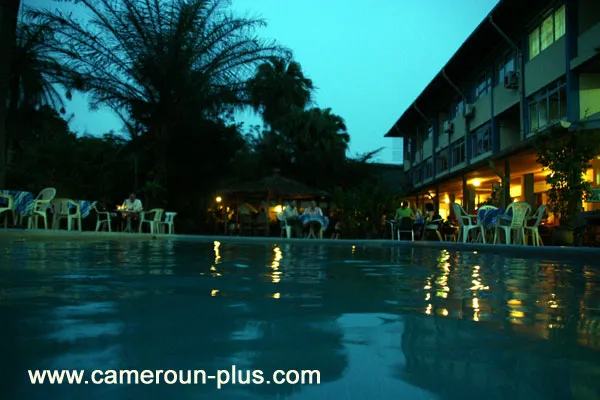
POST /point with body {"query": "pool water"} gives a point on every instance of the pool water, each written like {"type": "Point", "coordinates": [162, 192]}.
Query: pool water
{"type": "Point", "coordinates": [377, 322]}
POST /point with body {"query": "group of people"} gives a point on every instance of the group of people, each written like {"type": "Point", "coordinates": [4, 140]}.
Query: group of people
{"type": "Point", "coordinates": [431, 220]}
{"type": "Point", "coordinates": [292, 217]}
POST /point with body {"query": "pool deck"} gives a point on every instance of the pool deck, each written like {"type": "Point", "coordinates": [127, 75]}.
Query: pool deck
{"type": "Point", "coordinates": [555, 252]}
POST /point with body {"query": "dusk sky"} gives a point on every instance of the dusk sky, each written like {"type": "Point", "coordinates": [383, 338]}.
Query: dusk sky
{"type": "Point", "coordinates": [368, 61]}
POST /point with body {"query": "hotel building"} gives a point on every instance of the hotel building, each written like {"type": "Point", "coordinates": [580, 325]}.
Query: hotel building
{"type": "Point", "coordinates": [529, 68]}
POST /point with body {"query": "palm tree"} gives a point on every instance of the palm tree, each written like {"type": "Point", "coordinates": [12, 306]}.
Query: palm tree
{"type": "Point", "coordinates": [316, 140]}
{"type": "Point", "coordinates": [9, 12]}
{"type": "Point", "coordinates": [34, 71]}
{"type": "Point", "coordinates": [278, 87]}
{"type": "Point", "coordinates": [161, 62]}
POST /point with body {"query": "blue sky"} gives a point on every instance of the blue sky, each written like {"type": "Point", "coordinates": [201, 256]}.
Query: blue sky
{"type": "Point", "coordinates": [369, 60]}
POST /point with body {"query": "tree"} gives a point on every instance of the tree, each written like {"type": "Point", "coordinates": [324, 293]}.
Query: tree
{"type": "Point", "coordinates": [165, 64]}
{"type": "Point", "coordinates": [9, 12]}
{"type": "Point", "coordinates": [567, 156]}
{"type": "Point", "coordinates": [315, 140]}
{"type": "Point", "coordinates": [278, 87]}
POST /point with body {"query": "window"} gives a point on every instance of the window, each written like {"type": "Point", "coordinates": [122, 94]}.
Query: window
{"type": "Point", "coordinates": [548, 106]}
{"type": "Point", "coordinates": [458, 152]}
{"type": "Point", "coordinates": [534, 43]}
{"type": "Point", "coordinates": [456, 109]}
{"type": "Point", "coordinates": [506, 65]}
{"type": "Point", "coordinates": [428, 169]}
{"type": "Point", "coordinates": [442, 161]}
{"type": "Point", "coordinates": [550, 30]}
{"type": "Point", "coordinates": [429, 132]}
{"type": "Point", "coordinates": [484, 84]}
{"type": "Point", "coordinates": [418, 175]}
{"type": "Point", "coordinates": [482, 140]}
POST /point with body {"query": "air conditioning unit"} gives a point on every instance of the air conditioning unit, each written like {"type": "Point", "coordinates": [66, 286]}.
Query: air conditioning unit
{"type": "Point", "coordinates": [448, 127]}
{"type": "Point", "coordinates": [469, 110]}
{"type": "Point", "coordinates": [511, 80]}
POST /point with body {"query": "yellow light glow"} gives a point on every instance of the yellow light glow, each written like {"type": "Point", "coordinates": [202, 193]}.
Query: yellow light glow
{"type": "Point", "coordinates": [217, 252]}
{"type": "Point", "coordinates": [429, 308]}
{"type": "Point", "coordinates": [277, 256]}
{"type": "Point", "coordinates": [447, 200]}
{"type": "Point", "coordinates": [219, 199]}
{"type": "Point", "coordinates": [517, 314]}
{"type": "Point", "coordinates": [277, 295]}
{"type": "Point", "coordinates": [476, 316]}
{"type": "Point", "coordinates": [278, 208]}
{"type": "Point", "coordinates": [514, 302]}
{"type": "Point", "coordinates": [445, 312]}
{"type": "Point", "coordinates": [214, 292]}
{"type": "Point", "coordinates": [476, 182]}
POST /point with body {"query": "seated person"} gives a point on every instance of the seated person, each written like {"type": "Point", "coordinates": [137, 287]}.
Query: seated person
{"type": "Point", "coordinates": [430, 217]}
{"type": "Point", "coordinates": [313, 210]}
{"type": "Point", "coordinates": [290, 213]}
{"type": "Point", "coordinates": [337, 229]}
{"type": "Point", "coordinates": [132, 203]}
{"type": "Point", "coordinates": [405, 212]}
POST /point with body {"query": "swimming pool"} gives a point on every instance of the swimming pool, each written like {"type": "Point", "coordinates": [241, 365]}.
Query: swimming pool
{"type": "Point", "coordinates": [384, 322]}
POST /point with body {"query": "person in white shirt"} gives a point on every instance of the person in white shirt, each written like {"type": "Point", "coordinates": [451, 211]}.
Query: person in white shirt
{"type": "Point", "coordinates": [132, 203]}
{"type": "Point", "coordinates": [313, 210]}
{"type": "Point", "coordinates": [291, 216]}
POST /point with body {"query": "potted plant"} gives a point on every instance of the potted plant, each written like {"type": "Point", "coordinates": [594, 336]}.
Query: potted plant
{"type": "Point", "coordinates": [567, 157]}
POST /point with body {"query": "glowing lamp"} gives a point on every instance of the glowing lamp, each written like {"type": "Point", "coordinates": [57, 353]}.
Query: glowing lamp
{"type": "Point", "coordinates": [219, 199]}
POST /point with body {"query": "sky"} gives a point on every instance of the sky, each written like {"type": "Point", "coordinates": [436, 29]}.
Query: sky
{"type": "Point", "coordinates": [368, 60]}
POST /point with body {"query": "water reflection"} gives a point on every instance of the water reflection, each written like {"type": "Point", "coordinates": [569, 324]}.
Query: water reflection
{"type": "Point", "coordinates": [378, 322]}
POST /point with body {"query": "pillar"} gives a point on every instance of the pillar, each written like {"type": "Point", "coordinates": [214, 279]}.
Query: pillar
{"type": "Point", "coordinates": [506, 185]}
{"type": "Point", "coordinates": [527, 190]}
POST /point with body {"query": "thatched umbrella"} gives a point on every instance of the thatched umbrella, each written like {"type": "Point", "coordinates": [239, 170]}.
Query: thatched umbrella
{"type": "Point", "coordinates": [273, 187]}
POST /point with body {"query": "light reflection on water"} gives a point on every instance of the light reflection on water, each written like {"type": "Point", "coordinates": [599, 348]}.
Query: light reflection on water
{"type": "Point", "coordinates": [384, 322]}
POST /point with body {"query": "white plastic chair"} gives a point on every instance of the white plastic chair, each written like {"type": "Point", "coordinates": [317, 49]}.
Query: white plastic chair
{"type": "Point", "coordinates": [520, 211]}
{"type": "Point", "coordinates": [467, 223]}
{"type": "Point", "coordinates": [154, 221]}
{"type": "Point", "coordinates": [536, 240]}
{"type": "Point", "coordinates": [405, 225]}
{"type": "Point", "coordinates": [62, 210]}
{"type": "Point", "coordinates": [10, 208]}
{"type": "Point", "coordinates": [102, 217]}
{"type": "Point", "coordinates": [40, 207]}
{"type": "Point", "coordinates": [168, 222]}
{"type": "Point", "coordinates": [284, 225]}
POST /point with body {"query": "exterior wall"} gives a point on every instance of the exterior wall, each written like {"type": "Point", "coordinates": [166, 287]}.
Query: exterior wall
{"type": "Point", "coordinates": [546, 67]}
{"type": "Point", "coordinates": [589, 94]}
{"type": "Point", "coordinates": [510, 133]}
{"type": "Point", "coordinates": [504, 98]}
{"type": "Point", "coordinates": [428, 148]}
{"type": "Point", "coordinates": [589, 14]}
{"type": "Point", "coordinates": [460, 128]}
{"type": "Point", "coordinates": [587, 42]}
{"type": "Point", "coordinates": [483, 111]}
{"type": "Point", "coordinates": [443, 141]}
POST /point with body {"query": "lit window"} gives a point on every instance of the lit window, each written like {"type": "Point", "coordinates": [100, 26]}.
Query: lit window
{"type": "Point", "coordinates": [559, 23]}
{"type": "Point", "coordinates": [534, 43]}
{"type": "Point", "coordinates": [551, 29]}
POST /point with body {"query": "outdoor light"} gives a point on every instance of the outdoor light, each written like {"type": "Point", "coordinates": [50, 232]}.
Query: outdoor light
{"type": "Point", "coordinates": [447, 200]}
{"type": "Point", "coordinates": [219, 199]}
{"type": "Point", "coordinates": [278, 208]}
{"type": "Point", "coordinates": [476, 182]}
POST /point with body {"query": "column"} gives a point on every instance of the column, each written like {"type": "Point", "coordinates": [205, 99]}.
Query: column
{"type": "Point", "coordinates": [527, 190]}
